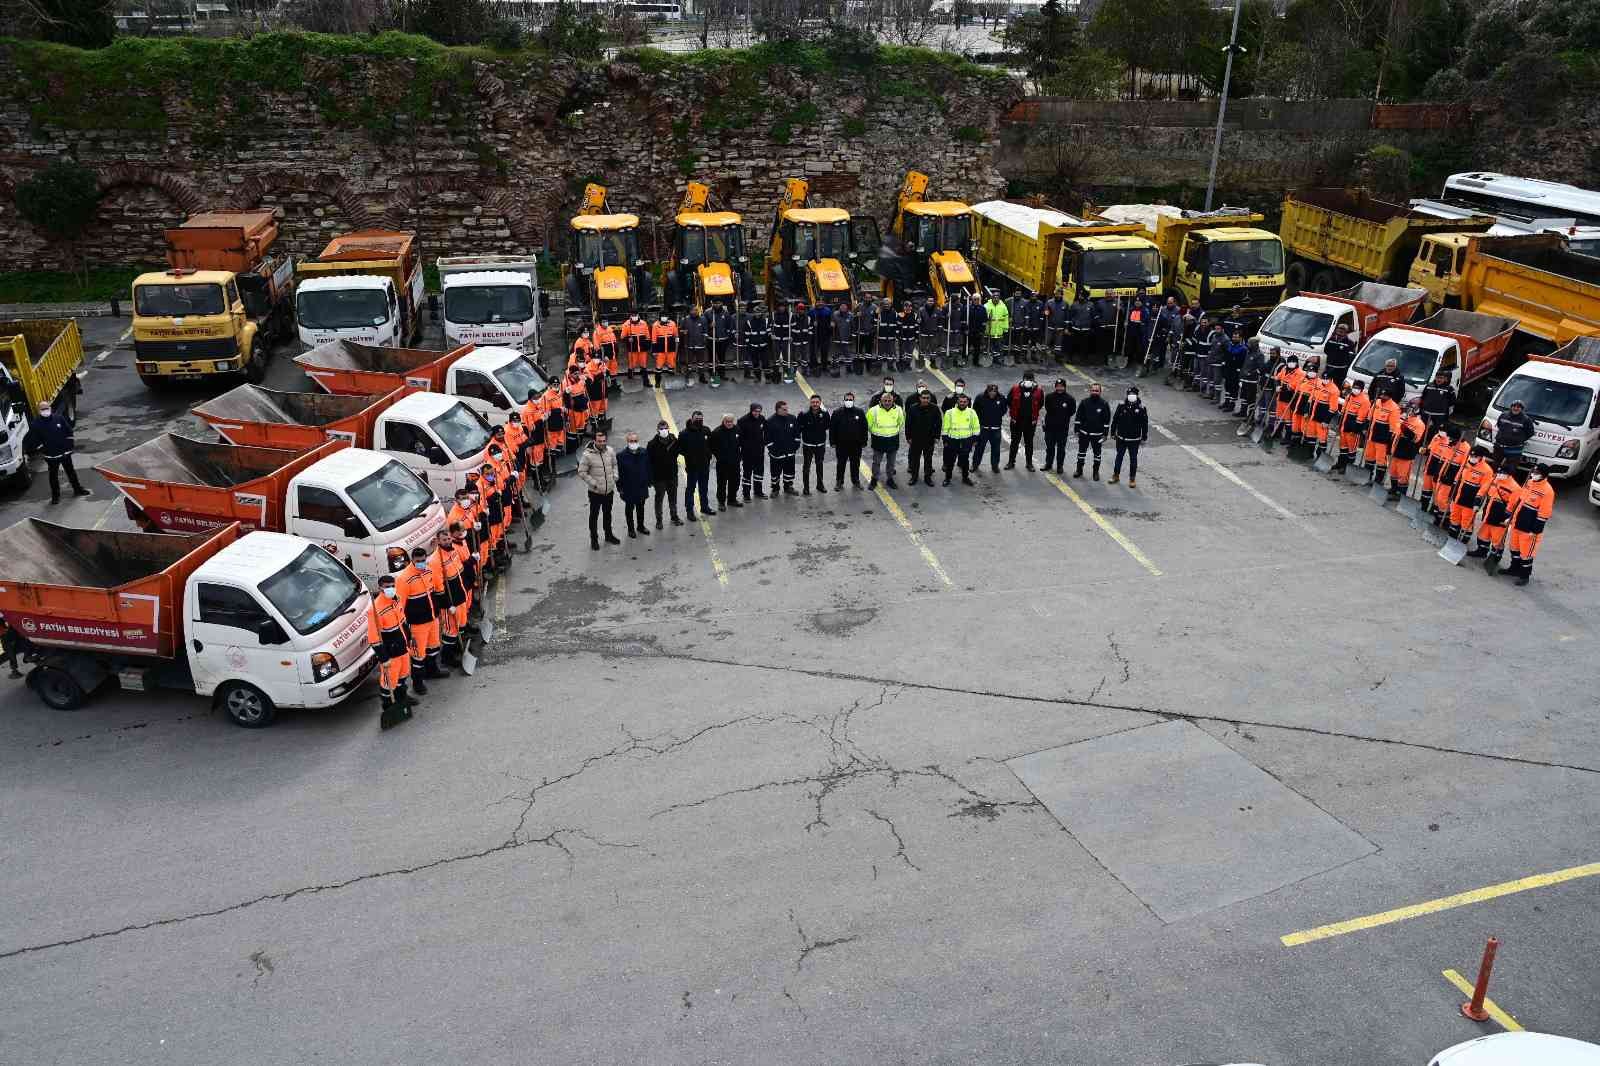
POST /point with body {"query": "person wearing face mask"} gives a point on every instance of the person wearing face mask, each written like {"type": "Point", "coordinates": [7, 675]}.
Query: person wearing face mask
{"type": "Point", "coordinates": [960, 428]}
{"type": "Point", "coordinates": [597, 469]}
{"type": "Point", "coordinates": [847, 432]}
{"type": "Point", "coordinates": [1025, 403]}
{"type": "Point", "coordinates": [753, 451]}
{"type": "Point", "coordinates": [1059, 408]}
{"type": "Point", "coordinates": [633, 484]}
{"type": "Point", "coordinates": [950, 399]}
{"type": "Point", "coordinates": [449, 595]}
{"type": "Point", "coordinates": [756, 337]}
{"type": "Point", "coordinates": [1353, 415]}
{"type": "Point", "coordinates": [1287, 383]}
{"type": "Point", "coordinates": [724, 441]}
{"type": "Point", "coordinates": [388, 636]}
{"type": "Point", "coordinates": [1530, 513]}
{"type": "Point", "coordinates": [636, 344]}
{"type": "Point", "coordinates": [465, 567]}
{"type": "Point", "coordinates": [51, 433]}
{"type": "Point", "coordinates": [992, 409]}
{"type": "Point", "coordinates": [663, 454]}
{"type": "Point", "coordinates": [888, 387]}
{"type": "Point", "coordinates": [813, 425]}
{"type": "Point", "coordinates": [1093, 422]}
{"type": "Point", "coordinates": [885, 421]}
{"type": "Point", "coordinates": [415, 586]}
{"type": "Point", "coordinates": [1305, 403]}
{"type": "Point", "coordinates": [1130, 426]}
{"type": "Point", "coordinates": [924, 423]}
{"type": "Point", "coordinates": [694, 446]}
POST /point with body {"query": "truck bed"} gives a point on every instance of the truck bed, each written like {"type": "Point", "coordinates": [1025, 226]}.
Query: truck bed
{"type": "Point", "coordinates": [1356, 232]}
{"type": "Point", "coordinates": [1553, 292]}
{"type": "Point", "coordinates": [1478, 327]}
{"type": "Point", "coordinates": [185, 461]}
{"type": "Point", "coordinates": [252, 415]}
{"type": "Point", "coordinates": [347, 368]}
{"type": "Point", "coordinates": [43, 355]}
{"type": "Point", "coordinates": [100, 590]}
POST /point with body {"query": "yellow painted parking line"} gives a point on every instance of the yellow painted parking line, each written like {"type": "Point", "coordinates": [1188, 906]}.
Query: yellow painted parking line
{"type": "Point", "coordinates": [1493, 1009]}
{"type": "Point", "coordinates": [500, 607]}
{"type": "Point", "coordinates": [1444, 903]}
{"type": "Point", "coordinates": [1221, 470]}
{"type": "Point", "coordinates": [889, 502]}
{"type": "Point", "coordinates": [705, 527]}
{"type": "Point", "coordinates": [1083, 505]}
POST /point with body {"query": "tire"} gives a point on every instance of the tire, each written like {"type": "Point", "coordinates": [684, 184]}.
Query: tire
{"type": "Point", "coordinates": [23, 478]}
{"type": "Point", "coordinates": [1294, 279]}
{"type": "Point", "coordinates": [246, 705]}
{"type": "Point", "coordinates": [57, 689]}
{"type": "Point", "coordinates": [1322, 281]}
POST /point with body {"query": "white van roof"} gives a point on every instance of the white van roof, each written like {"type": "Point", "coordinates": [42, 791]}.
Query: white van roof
{"type": "Point", "coordinates": [423, 406]}
{"type": "Point", "coordinates": [1567, 375]}
{"type": "Point", "coordinates": [488, 358]}
{"type": "Point", "coordinates": [345, 467]}
{"type": "Point", "coordinates": [342, 282]}
{"type": "Point", "coordinates": [252, 558]}
{"type": "Point", "coordinates": [483, 277]}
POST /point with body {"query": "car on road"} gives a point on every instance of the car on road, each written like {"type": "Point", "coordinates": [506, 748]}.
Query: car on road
{"type": "Point", "coordinates": [1519, 1049]}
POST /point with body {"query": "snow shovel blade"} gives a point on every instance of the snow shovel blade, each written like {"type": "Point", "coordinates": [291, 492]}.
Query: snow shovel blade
{"type": "Point", "coordinates": [1453, 552]}
{"type": "Point", "coordinates": [486, 630]}
{"type": "Point", "coordinates": [1408, 507]}
{"type": "Point", "coordinates": [1324, 463]}
{"type": "Point", "coordinates": [1357, 475]}
{"type": "Point", "coordinates": [1258, 435]}
{"type": "Point", "coordinates": [469, 657]}
{"type": "Point", "coordinates": [1431, 533]}
{"type": "Point", "coordinates": [1244, 428]}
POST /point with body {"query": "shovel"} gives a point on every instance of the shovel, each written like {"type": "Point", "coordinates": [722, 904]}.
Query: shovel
{"type": "Point", "coordinates": [1357, 475]}
{"type": "Point", "coordinates": [470, 650]}
{"type": "Point", "coordinates": [1324, 461]}
{"type": "Point", "coordinates": [485, 629]}
{"type": "Point", "coordinates": [1409, 508]}
{"type": "Point", "coordinates": [1379, 493]}
{"type": "Point", "coordinates": [1453, 551]}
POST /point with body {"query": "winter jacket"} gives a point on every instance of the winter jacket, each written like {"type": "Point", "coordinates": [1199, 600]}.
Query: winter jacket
{"type": "Point", "coordinates": [992, 409]}
{"type": "Point", "coordinates": [633, 475]}
{"type": "Point", "coordinates": [924, 423]}
{"type": "Point", "coordinates": [1083, 315]}
{"type": "Point", "coordinates": [52, 436]}
{"type": "Point", "coordinates": [725, 447]}
{"type": "Point", "coordinates": [1058, 409]}
{"type": "Point", "coordinates": [848, 428]}
{"type": "Point", "coordinates": [977, 319]}
{"type": "Point", "coordinates": [782, 435]}
{"type": "Point", "coordinates": [813, 427]}
{"type": "Point", "coordinates": [756, 330]}
{"type": "Point", "coordinates": [752, 434]}
{"type": "Point", "coordinates": [1438, 401]}
{"type": "Point", "coordinates": [694, 444]}
{"type": "Point", "coordinates": [597, 469]}
{"type": "Point", "coordinates": [1094, 416]}
{"type": "Point", "coordinates": [1131, 422]}
{"type": "Point", "coordinates": [1390, 385]}
{"type": "Point", "coordinates": [999, 318]}
{"type": "Point", "coordinates": [844, 326]}
{"type": "Point", "coordinates": [663, 453]}
{"type": "Point", "coordinates": [1026, 405]}
{"type": "Point", "coordinates": [1513, 431]}
{"type": "Point", "coordinates": [1055, 312]}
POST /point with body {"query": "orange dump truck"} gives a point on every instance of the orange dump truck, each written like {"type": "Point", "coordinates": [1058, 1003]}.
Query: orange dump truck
{"type": "Point", "coordinates": [267, 418]}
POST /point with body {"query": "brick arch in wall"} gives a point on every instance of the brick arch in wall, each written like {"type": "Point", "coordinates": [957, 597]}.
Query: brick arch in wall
{"type": "Point", "coordinates": [314, 206]}
{"type": "Point", "coordinates": [136, 204]}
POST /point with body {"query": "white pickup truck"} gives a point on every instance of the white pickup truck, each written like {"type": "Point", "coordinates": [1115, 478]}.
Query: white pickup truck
{"type": "Point", "coordinates": [1302, 325]}
{"type": "Point", "coordinates": [1561, 393]}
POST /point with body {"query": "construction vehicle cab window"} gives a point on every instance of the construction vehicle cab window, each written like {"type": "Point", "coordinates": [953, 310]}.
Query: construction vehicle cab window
{"type": "Point", "coordinates": [933, 247]}
{"type": "Point", "coordinates": [180, 301]}
{"type": "Point", "coordinates": [597, 248]}
{"type": "Point", "coordinates": [345, 308]}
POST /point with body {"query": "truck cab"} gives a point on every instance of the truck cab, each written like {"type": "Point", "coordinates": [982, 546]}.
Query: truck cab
{"type": "Point", "coordinates": [1561, 393]}
{"type": "Point", "coordinates": [369, 505]}
{"type": "Point", "coordinates": [492, 299]}
{"type": "Point", "coordinates": [1302, 325]}
{"type": "Point", "coordinates": [275, 621]}
{"type": "Point", "coordinates": [192, 324]}
{"type": "Point", "coordinates": [354, 307]}
{"type": "Point", "coordinates": [1437, 268]}
{"type": "Point", "coordinates": [1108, 266]}
{"type": "Point", "coordinates": [437, 436]}
{"type": "Point", "coordinates": [1224, 266]}
{"type": "Point", "coordinates": [493, 381]}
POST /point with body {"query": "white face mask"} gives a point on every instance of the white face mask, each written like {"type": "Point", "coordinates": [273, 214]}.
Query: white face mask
{"type": "Point", "coordinates": [849, 403]}
{"type": "Point", "coordinates": [888, 386]}
{"type": "Point", "coordinates": [663, 432]}
{"type": "Point", "coordinates": [423, 566]}
{"type": "Point", "coordinates": [1133, 397]}
{"type": "Point", "coordinates": [391, 592]}
{"type": "Point", "coordinates": [633, 445]}
{"type": "Point", "coordinates": [1027, 385]}
{"type": "Point", "coordinates": [960, 389]}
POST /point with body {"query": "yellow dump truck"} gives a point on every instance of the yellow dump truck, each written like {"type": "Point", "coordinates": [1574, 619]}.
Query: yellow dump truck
{"type": "Point", "coordinates": [1552, 291]}
{"type": "Point", "coordinates": [1335, 238]}
{"type": "Point", "coordinates": [1050, 253]}
{"type": "Point", "coordinates": [605, 277]}
{"type": "Point", "coordinates": [709, 266]}
{"type": "Point", "coordinates": [932, 254]}
{"type": "Point", "coordinates": [39, 363]}
{"type": "Point", "coordinates": [1214, 260]}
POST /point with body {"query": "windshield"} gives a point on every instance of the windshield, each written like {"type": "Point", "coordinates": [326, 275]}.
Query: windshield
{"type": "Point", "coordinates": [312, 590]}
{"type": "Point", "coordinates": [342, 308]}
{"type": "Point", "coordinates": [957, 232]}
{"type": "Point", "coordinates": [477, 304]}
{"type": "Point", "coordinates": [462, 431]}
{"type": "Point", "coordinates": [1115, 268]}
{"type": "Point", "coordinates": [693, 239]}
{"type": "Point", "coordinates": [391, 496]}
{"type": "Point", "coordinates": [727, 243]}
{"type": "Point", "coordinates": [834, 241]}
{"type": "Point", "coordinates": [177, 301]}
{"type": "Point", "coordinates": [1237, 258]}
{"type": "Point", "coordinates": [611, 248]}
{"type": "Point", "coordinates": [1416, 364]}
{"type": "Point", "coordinates": [518, 378]}
{"type": "Point", "coordinates": [805, 241]}
{"type": "Point", "coordinates": [1585, 246]}
{"type": "Point", "coordinates": [1299, 325]}
{"type": "Point", "coordinates": [1547, 401]}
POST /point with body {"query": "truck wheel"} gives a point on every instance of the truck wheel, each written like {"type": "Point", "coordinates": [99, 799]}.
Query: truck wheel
{"type": "Point", "coordinates": [57, 688]}
{"type": "Point", "coordinates": [1294, 279]}
{"type": "Point", "coordinates": [256, 369]}
{"type": "Point", "coordinates": [246, 705]}
{"type": "Point", "coordinates": [1322, 281]}
{"type": "Point", "coordinates": [23, 478]}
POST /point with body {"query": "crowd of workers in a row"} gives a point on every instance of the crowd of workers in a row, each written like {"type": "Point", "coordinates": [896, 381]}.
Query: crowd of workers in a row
{"type": "Point", "coordinates": [745, 451]}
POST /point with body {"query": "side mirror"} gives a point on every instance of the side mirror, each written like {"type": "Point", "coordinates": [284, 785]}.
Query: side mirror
{"type": "Point", "coordinates": [269, 631]}
{"type": "Point", "coordinates": [354, 528]}
{"type": "Point", "coordinates": [436, 455]}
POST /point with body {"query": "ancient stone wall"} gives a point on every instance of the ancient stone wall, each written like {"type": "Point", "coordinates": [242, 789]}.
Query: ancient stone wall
{"type": "Point", "coordinates": [476, 152]}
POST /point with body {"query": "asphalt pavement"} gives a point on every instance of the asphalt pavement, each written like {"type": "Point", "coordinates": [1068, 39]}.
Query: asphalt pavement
{"type": "Point", "coordinates": [1226, 768]}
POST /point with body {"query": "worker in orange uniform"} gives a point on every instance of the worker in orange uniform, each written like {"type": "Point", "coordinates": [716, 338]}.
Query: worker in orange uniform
{"type": "Point", "coordinates": [556, 422]}
{"type": "Point", "coordinates": [1407, 446]}
{"type": "Point", "coordinates": [636, 343]}
{"type": "Point", "coordinates": [415, 586]}
{"type": "Point", "coordinates": [1530, 513]}
{"type": "Point", "coordinates": [1353, 418]}
{"type": "Point", "coordinates": [1383, 428]}
{"type": "Point", "coordinates": [1304, 405]}
{"type": "Point", "coordinates": [466, 573]}
{"type": "Point", "coordinates": [1496, 516]}
{"type": "Point", "coordinates": [605, 347]}
{"type": "Point", "coordinates": [1472, 485]}
{"type": "Point", "coordinates": [1440, 445]}
{"type": "Point", "coordinates": [1444, 491]}
{"type": "Point", "coordinates": [533, 425]}
{"type": "Point", "coordinates": [1324, 402]}
{"type": "Point", "coordinates": [490, 476]}
{"type": "Point", "coordinates": [594, 382]}
{"type": "Point", "coordinates": [484, 541]}
{"type": "Point", "coordinates": [582, 349]}
{"type": "Point", "coordinates": [517, 445]}
{"type": "Point", "coordinates": [1288, 377]}
{"type": "Point", "coordinates": [577, 397]}
{"type": "Point", "coordinates": [664, 342]}
{"type": "Point", "coordinates": [386, 632]}
{"type": "Point", "coordinates": [452, 594]}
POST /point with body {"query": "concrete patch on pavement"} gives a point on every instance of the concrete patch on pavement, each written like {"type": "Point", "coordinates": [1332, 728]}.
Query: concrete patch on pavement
{"type": "Point", "coordinates": [1184, 821]}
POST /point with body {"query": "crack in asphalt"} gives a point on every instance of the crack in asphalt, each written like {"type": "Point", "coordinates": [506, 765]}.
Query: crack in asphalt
{"type": "Point", "coordinates": [553, 839]}
{"type": "Point", "coordinates": [1116, 653]}
{"type": "Point", "coordinates": [807, 945]}
{"type": "Point", "coordinates": [899, 843]}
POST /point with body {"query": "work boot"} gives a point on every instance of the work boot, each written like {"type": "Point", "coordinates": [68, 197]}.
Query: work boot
{"type": "Point", "coordinates": [965, 480]}
{"type": "Point", "coordinates": [872, 483]}
{"type": "Point", "coordinates": [788, 490]}
{"type": "Point", "coordinates": [807, 490]}
{"type": "Point", "coordinates": [946, 481]}
{"type": "Point", "coordinates": [82, 492]}
{"type": "Point", "coordinates": [643, 532]}
{"type": "Point", "coordinates": [435, 671]}
{"type": "Point", "coordinates": [631, 534]}
{"type": "Point", "coordinates": [1011, 464]}
{"type": "Point", "coordinates": [892, 484]}
{"type": "Point", "coordinates": [678, 521]}
{"type": "Point", "coordinates": [1030, 466]}
{"type": "Point", "coordinates": [1132, 484]}
{"type": "Point", "coordinates": [820, 487]}
{"type": "Point", "coordinates": [419, 685]}
{"type": "Point", "coordinates": [928, 479]}
{"type": "Point", "coordinates": [594, 543]}
{"type": "Point", "coordinates": [1114, 479]}
{"type": "Point", "coordinates": [1078, 472]}
{"type": "Point", "coordinates": [1480, 552]}
{"type": "Point", "coordinates": [389, 718]}
{"type": "Point", "coordinates": [688, 515]}
{"type": "Point", "coordinates": [659, 526]}
{"type": "Point", "coordinates": [838, 484]}
{"type": "Point", "coordinates": [612, 540]}
{"type": "Point", "coordinates": [735, 503]}
{"type": "Point", "coordinates": [1097, 471]}
{"type": "Point", "coordinates": [1060, 469]}
{"type": "Point", "coordinates": [761, 494]}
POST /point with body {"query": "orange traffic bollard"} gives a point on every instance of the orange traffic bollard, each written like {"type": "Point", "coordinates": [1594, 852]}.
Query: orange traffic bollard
{"type": "Point", "coordinates": [1474, 1009]}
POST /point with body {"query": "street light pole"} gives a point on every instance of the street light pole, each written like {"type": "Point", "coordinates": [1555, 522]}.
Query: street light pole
{"type": "Point", "coordinates": [1222, 105]}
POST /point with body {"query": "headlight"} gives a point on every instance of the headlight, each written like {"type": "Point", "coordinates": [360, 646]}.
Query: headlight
{"type": "Point", "coordinates": [397, 560]}
{"type": "Point", "coordinates": [323, 666]}
{"type": "Point", "coordinates": [1569, 448]}
{"type": "Point", "coordinates": [222, 364]}
{"type": "Point", "coordinates": [147, 368]}
{"type": "Point", "coordinates": [1486, 429]}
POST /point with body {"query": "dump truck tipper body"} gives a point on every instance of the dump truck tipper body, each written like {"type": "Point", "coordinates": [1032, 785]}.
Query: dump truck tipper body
{"type": "Point", "coordinates": [255, 621]}
{"type": "Point", "coordinates": [1336, 237]}
{"type": "Point", "coordinates": [1051, 253]}
{"type": "Point", "coordinates": [492, 380]}
{"type": "Point", "coordinates": [1302, 325]}
{"type": "Point", "coordinates": [39, 363]}
{"type": "Point", "coordinates": [267, 418]}
{"type": "Point", "coordinates": [1466, 346]}
{"type": "Point", "coordinates": [1552, 292]}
